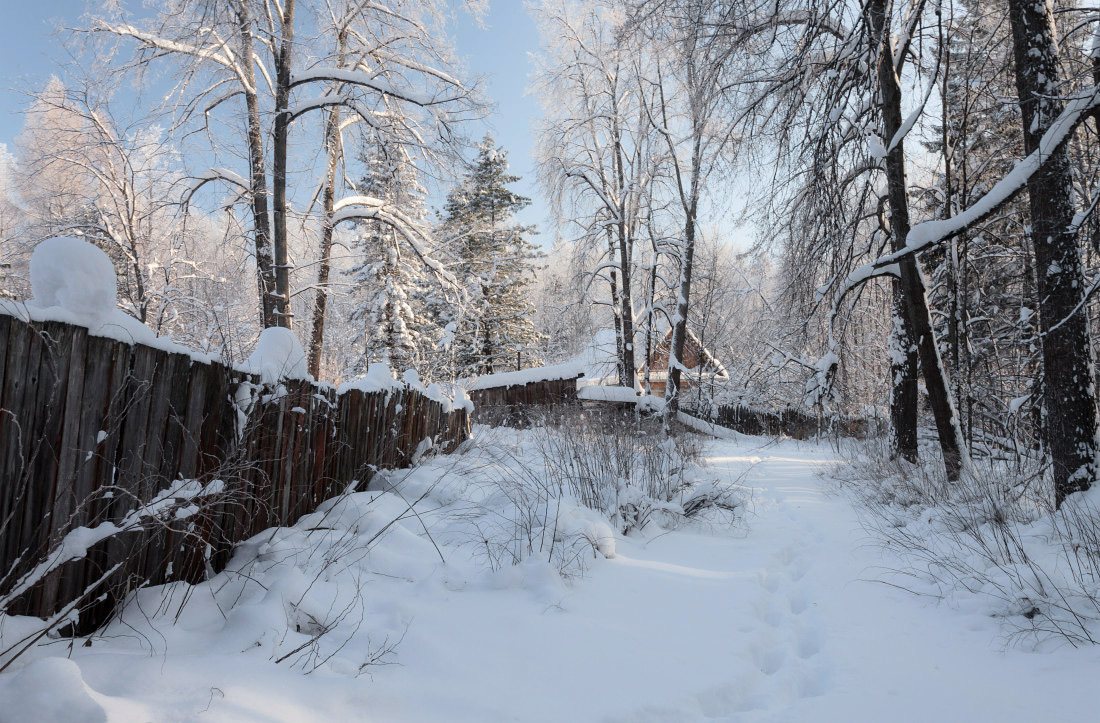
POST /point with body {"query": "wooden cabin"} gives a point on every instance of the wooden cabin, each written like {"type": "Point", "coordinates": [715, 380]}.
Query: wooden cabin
{"type": "Point", "coordinates": [697, 358]}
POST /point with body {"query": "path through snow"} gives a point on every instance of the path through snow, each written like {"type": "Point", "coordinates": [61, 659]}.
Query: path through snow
{"type": "Point", "coordinates": [781, 624]}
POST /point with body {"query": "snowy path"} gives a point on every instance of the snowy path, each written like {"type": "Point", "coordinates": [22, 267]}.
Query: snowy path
{"type": "Point", "coordinates": [780, 625]}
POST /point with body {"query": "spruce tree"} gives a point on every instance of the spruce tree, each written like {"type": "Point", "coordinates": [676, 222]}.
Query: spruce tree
{"type": "Point", "coordinates": [495, 259]}
{"type": "Point", "coordinates": [387, 281]}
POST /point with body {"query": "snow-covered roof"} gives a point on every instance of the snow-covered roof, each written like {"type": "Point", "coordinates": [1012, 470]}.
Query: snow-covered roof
{"type": "Point", "coordinates": [621, 395]}
{"type": "Point", "coordinates": [709, 360]}
{"type": "Point", "coordinates": [599, 358]}
{"type": "Point", "coordinates": [608, 394]}
{"type": "Point", "coordinates": [569, 370]}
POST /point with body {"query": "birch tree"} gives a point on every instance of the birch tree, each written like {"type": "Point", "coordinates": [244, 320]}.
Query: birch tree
{"type": "Point", "coordinates": [598, 160]}
{"type": "Point", "coordinates": [687, 80]}
{"type": "Point", "coordinates": [256, 53]}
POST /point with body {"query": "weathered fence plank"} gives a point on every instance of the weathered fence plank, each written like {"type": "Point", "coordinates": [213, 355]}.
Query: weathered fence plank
{"type": "Point", "coordinates": [91, 428]}
{"type": "Point", "coordinates": [512, 405]}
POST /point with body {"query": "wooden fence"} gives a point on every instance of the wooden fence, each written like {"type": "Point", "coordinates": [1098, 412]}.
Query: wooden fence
{"type": "Point", "coordinates": [789, 422]}
{"type": "Point", "coordinates": [92, 428]}
{"type": "Point", "coordinates": [513, 405]}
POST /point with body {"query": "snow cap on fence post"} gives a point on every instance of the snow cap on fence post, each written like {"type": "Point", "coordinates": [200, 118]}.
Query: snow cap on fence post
{"type": "Point", "coordinates": [74, 275]}
{"type": "Point", "coordinates": [279, 355]}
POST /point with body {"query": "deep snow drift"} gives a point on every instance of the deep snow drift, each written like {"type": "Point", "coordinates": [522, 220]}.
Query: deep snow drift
{"type": "Point", "coordinates": [780, 619]}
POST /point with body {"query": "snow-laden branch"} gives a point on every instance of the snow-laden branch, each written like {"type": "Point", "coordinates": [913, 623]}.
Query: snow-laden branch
{"type": "Point", "coordinates": [369, 208]}
{"type": "Point", "coordinates": [927, 234]}
{"type": "Point", "coordinates": [360, 112]}
{"type": "Point", "coordinates": [222, 58]}
{"type": "Point", "coordinates": [174, 503]}
{"type": "Point", "coordinates": [365, 80]}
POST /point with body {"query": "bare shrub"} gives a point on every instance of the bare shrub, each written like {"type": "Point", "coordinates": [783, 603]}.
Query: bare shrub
{"type": "Point", "coordinates": [525, 514]}
{"type": "Point", "coordinates": [624, 465]}
{"type": "Point", "coordinates": [993, 535]}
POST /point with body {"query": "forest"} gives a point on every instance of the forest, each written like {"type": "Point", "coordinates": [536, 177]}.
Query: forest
{"type": "Point", "coordinates": [846, 246]}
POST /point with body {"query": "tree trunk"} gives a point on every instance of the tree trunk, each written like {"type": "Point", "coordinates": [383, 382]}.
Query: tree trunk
{"type": "Point", "coordinates": [279, 164]}
{"type": "Point", "coordinates": [1068, 394]}
{"type": "Point", "coordinates": [650, 318]}
{"type": "Point", "coordinates": [904, 397]}
{"type": "Point", "coordinates": [265, 272]}
{"type": "Point", "coordinates": [626, 304]}
{"type": "Point", "coordinates": [317, 336]}
{"type": "Point", "coordinates": [911, 282]}
{"type": "Point", "coordinates": [626, 311]}
{"type": "Point", "coordinates": [616, 312]}
{"type": "Point", "coordinates": [679, 327]}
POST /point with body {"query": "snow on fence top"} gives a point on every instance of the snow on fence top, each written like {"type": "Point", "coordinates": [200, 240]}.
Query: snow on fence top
{"type": "Point", "coordinates": [569, 370]}
{"type": "Point", "coordinates": [379, 378]}
{"type": "Point", "coordinates": [74, 282]}
{"type": "Point", "coordinates": [622, 395]}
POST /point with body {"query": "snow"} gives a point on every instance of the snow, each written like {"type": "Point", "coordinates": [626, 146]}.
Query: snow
{"type": "Point", "coordinates": [525, 376]}
{"type": "Point", "coordinates": [608, 394]}
{"type": "Point", "coordinates": [781, 620]}
{"type": "Point", "coordinates": [278, 355]}
{"type": "Point", "coordinates": [52, 689]}
{"type": "Point", "coordinates": [73, 281]}
{"type": "Point", "coordinates": [599, 359]}
{"type": "Point", "coordinates": [875, 147]}
{"type": "Point", "coordinates": [379, 378]}
{"type": "Point", "coordinates": [76, 276]}
{"type": "Point", "coordinates": [622, 395]}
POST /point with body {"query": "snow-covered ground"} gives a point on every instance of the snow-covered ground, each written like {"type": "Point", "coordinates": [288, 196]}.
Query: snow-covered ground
{"type": "Point", "coordinates": [779, 619]}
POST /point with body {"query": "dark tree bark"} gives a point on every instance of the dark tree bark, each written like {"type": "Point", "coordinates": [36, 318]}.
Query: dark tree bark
{"type": "Point", "coordinates": [265, 272]}
{"type": "Point", "coordinates": [679, 328]}
{"type": "Point", "coordinates": [904, 397]}
{"type": "Point", "coordinates": [626, 311]}
{"type": "Point", "coordinates": [1068, 396]}
{"type": "Point", "coordinates": [911, 283]}
{"type": "Point", "coordinates": [626, 303]}
{"type": "Point", "coordinates": [279, 164]}
{"type": "Point", "coordinates": [616, 312]}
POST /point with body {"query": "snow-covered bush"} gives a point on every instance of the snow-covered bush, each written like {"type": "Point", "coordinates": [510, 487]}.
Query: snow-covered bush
{"type": "Point", "coordinates": [990, 541]}
{"type": "Point", "coordinates": [517, 514]}
{"type": "Point", "coordinates": [626, 467]}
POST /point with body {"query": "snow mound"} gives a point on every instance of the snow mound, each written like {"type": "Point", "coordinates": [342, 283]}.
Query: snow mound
{"type": "Point", "coordinates": [279, 355]}
{"type": "Point", "coordinates": [379, 378]}
{"type": "Point", "coordinates": [53, 689]}
{"type": "Point", "coordinates": [76, 276]}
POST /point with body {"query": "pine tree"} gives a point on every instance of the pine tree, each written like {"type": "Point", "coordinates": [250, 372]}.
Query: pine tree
{"type": "Point", "coordinates": [387, 281]}
{"type": "Point", "coordinates": [495, 258]}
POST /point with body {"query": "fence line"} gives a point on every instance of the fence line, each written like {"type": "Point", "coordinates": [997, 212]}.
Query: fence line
{"type": "Point", "coordinates": [789, 422]}
{"type": "Point", "coordinates": [512, 404]}
{"type": "Point", "coordinates": [92, 428]}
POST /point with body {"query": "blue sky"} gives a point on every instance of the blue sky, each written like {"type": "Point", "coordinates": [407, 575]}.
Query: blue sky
{"type": "Point", "coordinates": [499, 51]}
